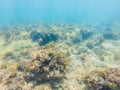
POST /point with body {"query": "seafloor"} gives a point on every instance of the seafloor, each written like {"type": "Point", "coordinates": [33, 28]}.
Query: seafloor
{"type": "Point", "coordinates": [93, 51]}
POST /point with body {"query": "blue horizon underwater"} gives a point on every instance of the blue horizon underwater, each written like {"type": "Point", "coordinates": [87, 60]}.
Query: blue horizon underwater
{"type": "Point", "coordinates": [59, 44]}
{"type": "Point", "coordinates": [29, 11]}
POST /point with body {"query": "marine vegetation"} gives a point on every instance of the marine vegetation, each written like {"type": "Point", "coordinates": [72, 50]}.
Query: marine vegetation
{"type": "Point", "coordinates": [108, 79]}
{"type": "Point", "coordinates": [47, 64]}
{"type": "Point", "coordinates": [43, 38]}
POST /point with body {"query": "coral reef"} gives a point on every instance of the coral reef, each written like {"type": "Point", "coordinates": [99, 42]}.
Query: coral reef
{"type": "Point", "coordinates": [91, 49]}
{"type": "Point", "coordinates": [48, 64]}
{"type": "Point", "coordinates": [12, 78]}
{"type": "Point", "coordinates": [43, 38]}
{"type": "Point", "coordinates": [108, 79]}
{"type": "Point", "coordinates": [112, 78]}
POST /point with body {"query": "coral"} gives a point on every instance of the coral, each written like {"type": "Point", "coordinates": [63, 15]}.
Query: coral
{"type": "Point", "coordinates": [95, 80]}
{"type": "Point", "coordinates": [47, 64]}
{"type": "Point", "coordinates": [112, 77]}
{"type": "Point", "coordinates": [47, 70]}
{"type": "Point", "coordinates": [9, 74]}
{"type": "Point", "coordinates": [43, 38]}
{"type": "Point", "coordinates": [12, 79]}
{"type": "Point", "coordinates": [108, 79]}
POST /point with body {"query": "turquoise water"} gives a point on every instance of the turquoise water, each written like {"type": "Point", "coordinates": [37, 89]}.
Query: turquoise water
{"type": "Point", "coordinates": [59, 44]}
{"type": "Point", "coordinates": [34, 11]}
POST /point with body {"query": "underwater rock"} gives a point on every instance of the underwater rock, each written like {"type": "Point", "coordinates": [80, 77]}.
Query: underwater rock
{"type": "Point", "coordinates": [48, 38]}
{"type": "Point", "coordinates": [12, 79]}
{"type": "Point", "coordinates": [35, 35]}
{"type": "Point", "coordinates": [112, 76]}
{"type": "Point", "coordinates": [86, 34]}
{"type": "Point", "coordinates": [108, 79]}
{"type": "Point", "coordinates": [43, 38]}
{"type": "Point", "coordinates": [94, 41]}
{"type": "Point", "coordinates": [45, 86]}
{"type": "Point", "coordinates": [47, 65]}
{"type": "Point", "coordinates": [15, 32]}
{"type": "Point", "coordinates": [8, 35]}
{"type": "Point", "coordinates": [2, 65]}
{"type": "Point", "coordinates": [9, 55]}
{"type": "Point", "coordinates": [77, 39]}
{"type": "Point", "coordinates": [111, 36]}
{"type": "Point", "coordinates": [95, 81]}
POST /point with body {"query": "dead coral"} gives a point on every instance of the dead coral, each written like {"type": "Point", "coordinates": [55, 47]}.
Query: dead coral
{"type": "Point", "coordinates": [47, 64]}
{"type": "Point", "coordinates": [108, 79]}
{"type": "Point", "coordinates": [112, 77]}
{"type": "Point", "coordinates": [11, 79]}
{"type": "Point", "coordinates": [95, 80]}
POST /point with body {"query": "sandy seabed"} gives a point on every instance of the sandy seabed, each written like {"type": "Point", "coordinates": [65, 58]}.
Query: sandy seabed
{"type": "Point", "coordinates": [93, 50]}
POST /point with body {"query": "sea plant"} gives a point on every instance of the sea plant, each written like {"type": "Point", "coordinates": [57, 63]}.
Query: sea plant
{"type": "Point", "coordinates": [47, 64]}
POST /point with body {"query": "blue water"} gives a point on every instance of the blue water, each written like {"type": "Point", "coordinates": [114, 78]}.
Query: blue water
{"type": "Point", "coordinates": [34, 11]}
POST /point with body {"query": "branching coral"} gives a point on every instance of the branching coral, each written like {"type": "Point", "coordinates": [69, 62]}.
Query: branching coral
{"type": "Point", "coordinates": [47, 64]}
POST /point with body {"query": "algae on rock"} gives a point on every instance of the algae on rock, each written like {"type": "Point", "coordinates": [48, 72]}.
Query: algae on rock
{"type": "Point", "coordinates": [47, 64]}
{"type": "Point", "coordinates": [108, 79]}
